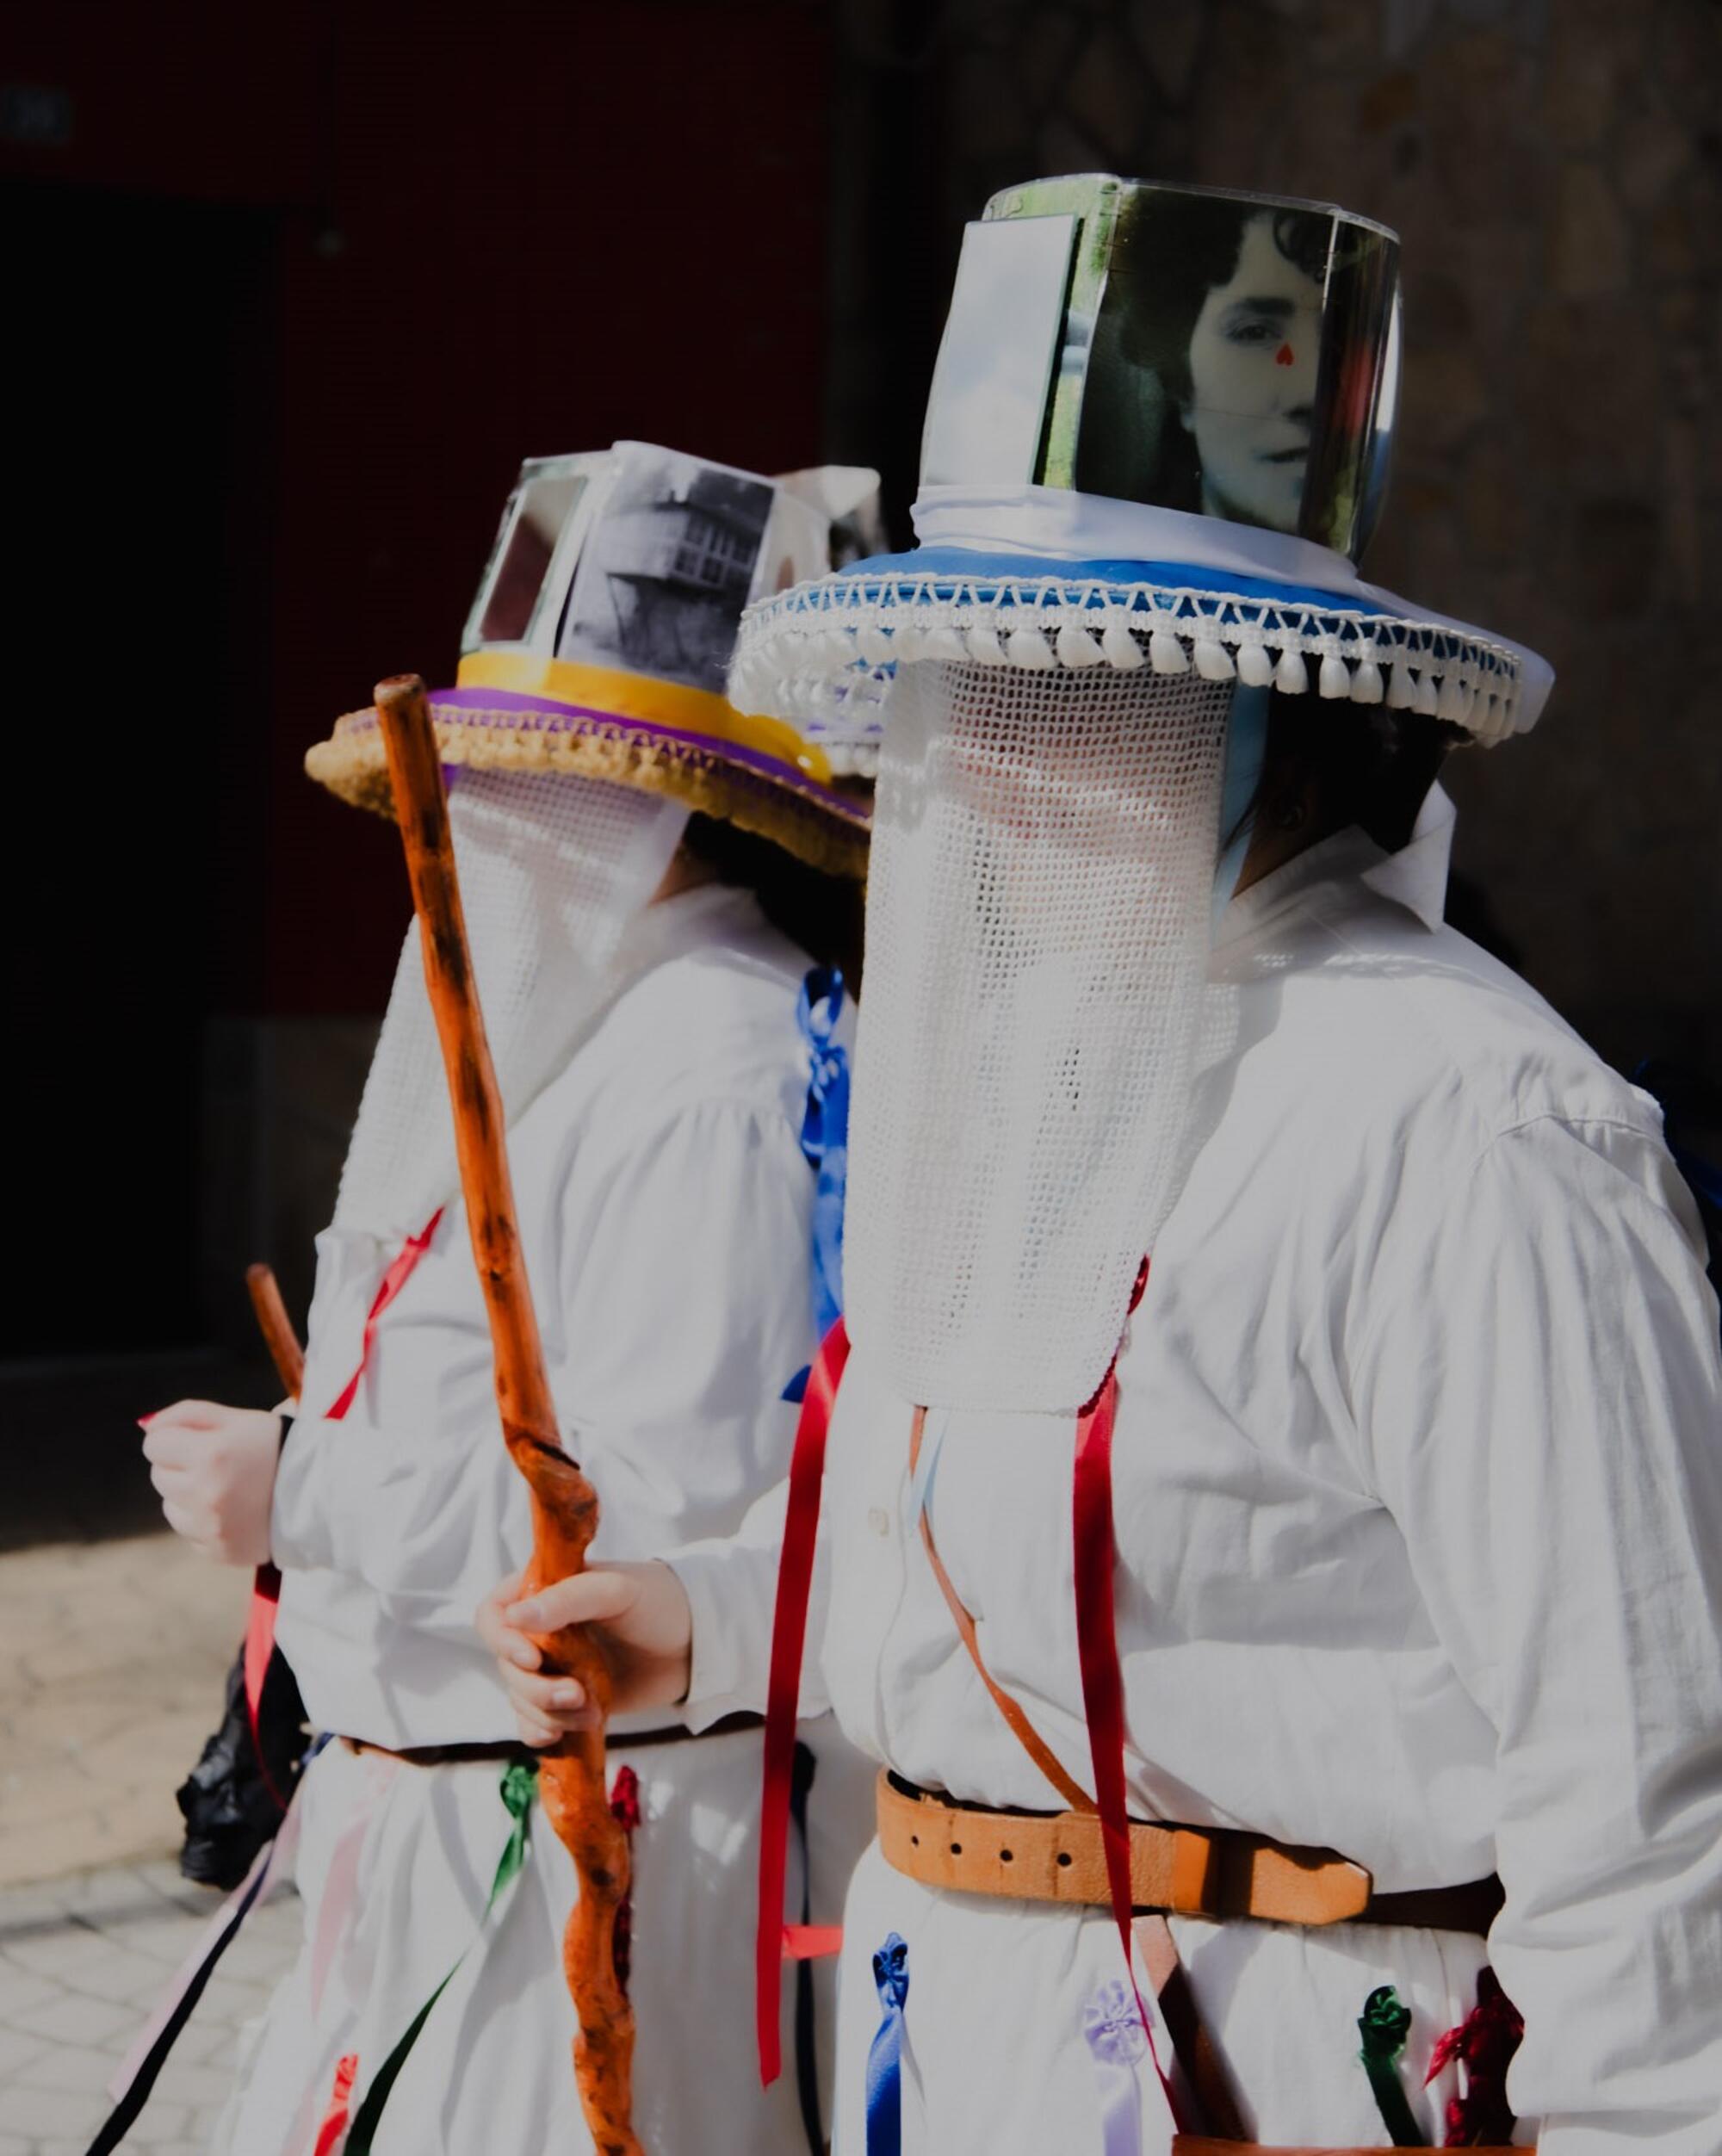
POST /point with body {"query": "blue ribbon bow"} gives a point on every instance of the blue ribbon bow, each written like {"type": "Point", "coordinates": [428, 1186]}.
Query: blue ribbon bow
{"type": "Point", "coordinates": [825, 1137]}
{"type": "Point", "coordinates": [824, 1142]}
{"type": "Point", "coordinates": [885, 2057]}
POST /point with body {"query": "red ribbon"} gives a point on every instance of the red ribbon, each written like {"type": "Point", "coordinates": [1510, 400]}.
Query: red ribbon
{"type": "Point", "coordinates": [334, 2123]}
{"type": "Point", "coordinates": [400, 1272]}
{"type": "Point", "coordinates": [266, 1588]}
{"type": "Point", "coordinates": [788, 1638]}
{"type": "Point", "coordinates": [1485, 2041]}
{"type": "Point", "coordinates": [259, 1646]}
{"type": "Point", "coordinates": [625, 1809]}
{"type": "Point", "coordinates": [1097, 1649]}
{"type": "Point", "coordinates": [811, 1941]}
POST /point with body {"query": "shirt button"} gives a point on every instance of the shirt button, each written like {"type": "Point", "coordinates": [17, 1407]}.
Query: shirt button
{"type": "Point", "coordinates": [879, 1520]}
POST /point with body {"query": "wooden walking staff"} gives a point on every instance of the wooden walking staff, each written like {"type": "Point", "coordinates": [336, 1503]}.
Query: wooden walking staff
{"type": "Point", "coordinates": [276, 1327]}
{"type": "Point", "coordinates": [564, 1503]}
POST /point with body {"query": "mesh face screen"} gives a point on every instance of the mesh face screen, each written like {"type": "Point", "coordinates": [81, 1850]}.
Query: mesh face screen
{"type": "Point", "coordinates": [1038, 930]}
{"type": "Point", "coordinates": [552, 871]}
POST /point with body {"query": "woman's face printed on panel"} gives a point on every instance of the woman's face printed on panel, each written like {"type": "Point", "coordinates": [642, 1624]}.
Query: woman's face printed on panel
{"type": "Point", "coordinates": [1254, 353]}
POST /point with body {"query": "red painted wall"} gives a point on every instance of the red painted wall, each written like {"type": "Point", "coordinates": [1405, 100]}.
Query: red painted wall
{"type": "Point", "coordinates": [498, 229]}
{"type": "Point", "coordinates": [291, 290]}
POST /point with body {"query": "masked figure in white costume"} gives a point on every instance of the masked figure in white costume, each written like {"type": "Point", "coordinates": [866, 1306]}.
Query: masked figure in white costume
{"type": "Point", "coordinates": [622, 833]}
{"type": "Point", "coordinates": [1273, 1509]}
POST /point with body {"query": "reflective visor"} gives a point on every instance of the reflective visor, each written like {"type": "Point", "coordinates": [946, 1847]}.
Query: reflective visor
{"type": "Point", "coordinates": [1235, 355]}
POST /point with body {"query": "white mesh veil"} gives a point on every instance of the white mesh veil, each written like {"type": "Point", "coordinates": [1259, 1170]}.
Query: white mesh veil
{"type": "Point", "coordinates": [1038, 936]}
{"type": "Point", "coordinates": [553, 870]}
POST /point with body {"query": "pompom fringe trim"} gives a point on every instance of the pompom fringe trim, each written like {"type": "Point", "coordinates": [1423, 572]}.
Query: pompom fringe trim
{"type": "Point", "coordinates": [822, 654]}
{"type": "Point", "coordinates": [353, 765]}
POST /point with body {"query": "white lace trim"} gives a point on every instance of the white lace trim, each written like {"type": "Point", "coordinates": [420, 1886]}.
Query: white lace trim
{"type": "Point", "coordinates": [821, 655]}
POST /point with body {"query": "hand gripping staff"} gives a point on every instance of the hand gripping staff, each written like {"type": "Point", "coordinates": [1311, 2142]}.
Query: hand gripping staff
{"type": "Point", "coordinates": [564, 1503]}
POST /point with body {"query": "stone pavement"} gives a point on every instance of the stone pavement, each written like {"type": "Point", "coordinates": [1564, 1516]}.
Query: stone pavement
{"type": "Point", "coordinates": [114, 1641]}
{"type": "Point", "coordinates": [83, 1961]}
{"type": "Point", "coordinates": [111, 1673]}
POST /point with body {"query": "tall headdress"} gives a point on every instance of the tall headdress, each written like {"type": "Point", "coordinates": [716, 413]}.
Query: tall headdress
{"type": "Point", "coordinates": [587, 722]}
{"type": "Point", "coordinates": [1157, 441]}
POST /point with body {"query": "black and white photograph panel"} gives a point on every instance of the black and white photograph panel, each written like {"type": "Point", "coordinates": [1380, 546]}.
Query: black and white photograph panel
{"type": "Point", "coordinates": [667, 566]}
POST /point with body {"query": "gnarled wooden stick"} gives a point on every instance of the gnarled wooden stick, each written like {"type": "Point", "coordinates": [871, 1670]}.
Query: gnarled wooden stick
{"type": "Point", "coordinates": [276, 1327]}
{"type": "Point", "coordinates": [564, 1503]}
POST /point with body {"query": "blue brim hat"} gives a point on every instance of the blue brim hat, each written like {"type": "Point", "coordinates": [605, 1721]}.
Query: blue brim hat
{"type": "Point", "coordinates": [1123, 467]}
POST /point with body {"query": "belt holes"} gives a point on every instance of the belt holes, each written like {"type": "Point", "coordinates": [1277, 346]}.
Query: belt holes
{"type": "Point", "coordinates": [956, 1849]}
{"type": "Point", "coordinates": [914, 1841]}
{"type": "Point", "coordinates": [1005, 1857]}
{"type": "Point", "coordinates": [1063, 1857]}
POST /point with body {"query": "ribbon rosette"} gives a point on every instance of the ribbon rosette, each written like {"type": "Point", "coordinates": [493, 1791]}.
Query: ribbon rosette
{"type": "Point", "coordinates": [1112, 2029]}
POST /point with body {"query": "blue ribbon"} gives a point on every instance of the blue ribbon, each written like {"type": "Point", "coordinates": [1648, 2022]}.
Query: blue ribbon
{"type": "Point", "coordinates": [885, 2058]}
{"type": "Point", "coordinates": [825, 1142]}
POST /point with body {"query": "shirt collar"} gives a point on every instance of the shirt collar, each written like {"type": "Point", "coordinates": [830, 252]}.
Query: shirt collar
{"type": "Point", "coordinates": [1415, 878]}
{"type": "Point", "coordinates": [704, 914]}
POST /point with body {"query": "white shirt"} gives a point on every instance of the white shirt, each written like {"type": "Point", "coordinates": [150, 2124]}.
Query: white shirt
{"type": "Point", "coordinates": [1418, 1489]}
{"type": "Point", "coordinates": [664, 1206]}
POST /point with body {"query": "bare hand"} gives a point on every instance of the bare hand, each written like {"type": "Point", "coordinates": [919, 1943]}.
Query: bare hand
{"type": "Point", "coordinates": [214, 1468]}
{"type": "Point", "coordinates": [640, 1615]}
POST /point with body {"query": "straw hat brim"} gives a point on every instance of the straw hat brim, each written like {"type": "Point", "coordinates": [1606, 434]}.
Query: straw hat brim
{"type": "Point", "coordinates": [824, 826]}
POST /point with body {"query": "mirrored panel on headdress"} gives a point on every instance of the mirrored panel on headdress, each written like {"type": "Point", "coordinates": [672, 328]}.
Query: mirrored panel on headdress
{"type": "Point", "coordinates": [1227, 354]}
{"type": "Point", "coordinates": [517, 586]}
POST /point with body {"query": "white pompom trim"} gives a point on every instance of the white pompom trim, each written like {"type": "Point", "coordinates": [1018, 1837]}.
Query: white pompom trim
{"type": "Point", "coordinates": [822, 653]}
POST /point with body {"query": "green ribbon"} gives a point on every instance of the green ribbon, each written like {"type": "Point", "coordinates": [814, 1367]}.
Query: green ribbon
{"type": "Point", "coordinates": [1383, 2026]}
{"type": "Point", "coordinates": [519, 1786]}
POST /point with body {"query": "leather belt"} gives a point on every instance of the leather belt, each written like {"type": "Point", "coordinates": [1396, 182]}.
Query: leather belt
{"type": "Point", "coordinates": [622, 1740]}
{"type": "Point", "coordinates": [1214, 1872]}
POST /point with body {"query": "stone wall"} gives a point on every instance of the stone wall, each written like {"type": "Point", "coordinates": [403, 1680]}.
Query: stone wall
{"type": "Point", "coordinates": [1555, 170]}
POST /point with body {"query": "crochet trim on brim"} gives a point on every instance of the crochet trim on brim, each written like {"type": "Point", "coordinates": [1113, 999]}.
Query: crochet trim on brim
{"type": "Point", "coordinates": [823, 829]}
{"type": "Point", "coordinates": [821, 655]}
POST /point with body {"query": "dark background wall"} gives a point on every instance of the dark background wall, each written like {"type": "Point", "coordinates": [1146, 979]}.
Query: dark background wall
{"type": "Point", "coordinates": [294, 288]}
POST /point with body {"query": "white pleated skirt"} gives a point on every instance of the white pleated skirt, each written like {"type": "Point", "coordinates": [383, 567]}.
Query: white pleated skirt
{"type": "Point", "coordinates": [394, 1867]}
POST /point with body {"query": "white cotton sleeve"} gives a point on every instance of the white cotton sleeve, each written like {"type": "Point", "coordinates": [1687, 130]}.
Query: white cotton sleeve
{"type": "Point", "coordinates": [732, 1586]}
{"type": "Point", "coordinates": [429, 1533]}
{"type": "Point", "coordinates": [681, 1312]}
{"type": "Point", "coordinates": [1538, 1389]}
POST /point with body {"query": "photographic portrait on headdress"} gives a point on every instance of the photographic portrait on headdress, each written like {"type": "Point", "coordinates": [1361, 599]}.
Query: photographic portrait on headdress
{"type": "Point", "coordinates": [1230, 356]}
{"type": "Point", "coordinates": [1235, 358]}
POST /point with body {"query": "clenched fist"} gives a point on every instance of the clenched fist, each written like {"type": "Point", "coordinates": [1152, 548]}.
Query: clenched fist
{"type": "Point", "coordinates": [214, 1468]}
